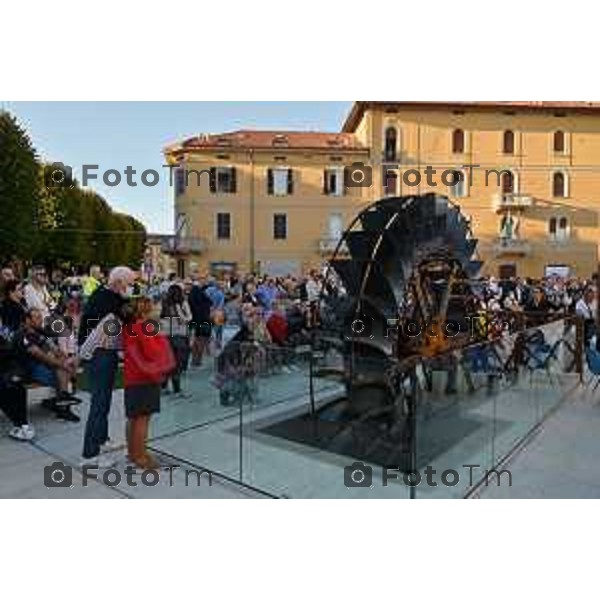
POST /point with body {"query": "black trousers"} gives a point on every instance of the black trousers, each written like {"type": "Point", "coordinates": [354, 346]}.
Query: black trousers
{"type": "Point", "coordinates": [181, 349]}
{"type": "Point", "coordinates": [13, 402]}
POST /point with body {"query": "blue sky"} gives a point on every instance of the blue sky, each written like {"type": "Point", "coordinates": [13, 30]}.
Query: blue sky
{"type": "Point", "coordinates": [114, 135]}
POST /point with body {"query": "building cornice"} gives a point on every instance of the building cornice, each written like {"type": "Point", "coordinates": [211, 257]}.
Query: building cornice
{"type": "Point", "coordinates": [359, 108]}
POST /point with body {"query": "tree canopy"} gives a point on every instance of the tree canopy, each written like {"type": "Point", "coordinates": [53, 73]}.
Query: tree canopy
{"type": "Point", "coordinates": [57, 225]}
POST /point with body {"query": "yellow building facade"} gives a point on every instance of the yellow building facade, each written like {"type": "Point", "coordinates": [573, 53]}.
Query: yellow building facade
{"type": "Point", "coordinates": [526, 173]}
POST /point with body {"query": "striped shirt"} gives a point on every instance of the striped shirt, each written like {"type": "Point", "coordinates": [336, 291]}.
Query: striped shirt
{"type": "Point", "coordinates": [106, 335]}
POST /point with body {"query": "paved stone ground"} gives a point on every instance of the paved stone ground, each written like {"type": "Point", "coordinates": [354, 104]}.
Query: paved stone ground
{"type": "Point", "coordinates": [22, 466]}
{"type": "Point", "coordinates": [560, 462]}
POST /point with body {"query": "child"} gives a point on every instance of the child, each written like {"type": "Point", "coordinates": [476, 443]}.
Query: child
{"type": "Point", "coordinates": [148, 361]}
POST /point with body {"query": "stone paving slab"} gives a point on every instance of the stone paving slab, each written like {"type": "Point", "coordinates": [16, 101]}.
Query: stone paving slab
{"type": "Point", "coordinates": [562, 460]}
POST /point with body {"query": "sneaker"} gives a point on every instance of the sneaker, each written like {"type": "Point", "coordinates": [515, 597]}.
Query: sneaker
{"type": "Point", "coordinates": [29, 431]}
{"type": "Point", "coordinates": [66, 414]}
{"type": "Point", "coordinates": [183, 395]}
{"type": "Point", "coordinates": [23, 433]}
{"type": "Point", "coordinates": [100, 461]}
{"type": "Point", "coordinates": [60, 402]}
{"type": "Point", "coordinates": [111, 446]}
{"type": "Point", "coordinates": [67, 399]}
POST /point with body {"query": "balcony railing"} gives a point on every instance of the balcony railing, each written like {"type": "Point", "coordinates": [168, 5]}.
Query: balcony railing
{"type": "Point", "coordinates": [511, 246]}
{"type": "Point", "coordinates": [502, 202]}
{"type": "Point", "coordinates": [183, 245]}
{"type": "Point", "coordinates": [327, 245]}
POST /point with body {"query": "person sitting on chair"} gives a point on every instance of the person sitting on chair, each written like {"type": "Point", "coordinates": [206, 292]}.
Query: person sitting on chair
{"type": "Point", "coordinates": [46, 364]}
{"type": "Point", "coordinates": [586, 309]}
{"type": "Point", "coordinates": [13, 395]}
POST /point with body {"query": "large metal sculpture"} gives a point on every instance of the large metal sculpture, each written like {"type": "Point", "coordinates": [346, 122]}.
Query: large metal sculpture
{"type": "Point", "coordinates": [405, 265]}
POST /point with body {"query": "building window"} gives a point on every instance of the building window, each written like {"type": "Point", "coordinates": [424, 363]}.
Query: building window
{"type": "Point", "coordinates": [280, 226]}
{"type": "Point", "coordinates": [559, 142]}
{"type": "Point", "coordinates": [390, 185]}
{"type": "Point", "coordinates": [558, 229]}
{"type": "Point", "coordinates": [507, 182]}
{"type": "Point", "coordinates": [391, 144]}
{"type": "Point", "coordinates": [335, 226]}
{"type": "Point", "coordinates": [458, 187]}
{"type": "Point", "coordinates": [563, 228]}
{"type": "Point", "coordinates": [180, 182]}
{"type": "Point", "coordinates": [333, 181]}
{"type": "Point", "coordinates": [458, 141]}
{"type": "Point", "coordinates": [509, 227]}
{"type": "Point", "coordinates": [223, 180]}
{"type": "Point", "coordinates": [223, 226]}
{"type": "Point", "coordinates": [280, 181]}
{"type": "Point", "coordinates": [559, 185]}
{"type": "Point", "coordinates": [508, 143]}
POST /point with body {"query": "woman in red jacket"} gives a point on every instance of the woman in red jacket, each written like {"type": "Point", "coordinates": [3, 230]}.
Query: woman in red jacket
{"type": "Point", "coordinates": [148, 362]}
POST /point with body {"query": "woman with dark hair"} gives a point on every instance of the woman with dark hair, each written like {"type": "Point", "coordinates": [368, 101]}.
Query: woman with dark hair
{"type": "Point", "coordinates": [175, 319]}
{"type": "Point", "coordinates": [12, 309]}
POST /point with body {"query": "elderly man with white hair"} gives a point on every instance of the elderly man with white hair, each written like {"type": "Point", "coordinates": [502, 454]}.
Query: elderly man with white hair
{"type": "Point", "coordinates": [100, 351]}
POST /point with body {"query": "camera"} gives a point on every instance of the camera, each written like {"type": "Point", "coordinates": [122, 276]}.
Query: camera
{"type": "Point", "coordinates": [359, 326]}
{"type": "Point", "coordinates": [358, 475]}
{"type": "Point", "coordinates": [358, 175]}
{"type": "Point", "coordinates": [58, 326]}
{"type": "Point", "coordinates": [58, 175]}
{"type": "Point", "coordinates": [58, 475]}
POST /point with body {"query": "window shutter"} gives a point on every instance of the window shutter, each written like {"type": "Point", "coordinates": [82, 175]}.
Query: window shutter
{"type": "Point", "coordinates": [458, 141]}
{"type": "Point", "coordinates": [558, 186]}
{"type": "Point", "coordinates": [233, 181]}
{"type": "Point", "coordinates": [270, 182]}
{"type": "Point", "coordinates": [213, 180]}
{"type": "Point", "coordinates": [390, 144]}
{"type": "Point", "coordinates": [290, 182]}
{"type": "Point", "coordinates": [180, 183]}
{"type": "Point", "coordinates": [509, 142]}
{"type": "Point", "coordinates": [326, 189]}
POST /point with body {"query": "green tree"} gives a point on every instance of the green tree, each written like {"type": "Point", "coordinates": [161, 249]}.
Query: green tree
{"type": "Point", "coordinates": [57, 225]}
{"type": "Point", "coordinates": [20, 191]}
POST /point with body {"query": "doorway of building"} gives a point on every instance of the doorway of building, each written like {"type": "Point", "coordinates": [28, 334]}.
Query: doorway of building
{"type": "Point", "coordinates": [507, 271]}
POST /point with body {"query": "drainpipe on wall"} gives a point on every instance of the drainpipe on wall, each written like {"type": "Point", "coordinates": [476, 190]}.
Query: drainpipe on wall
{"type": "Point", "coordinates": [252, 213]}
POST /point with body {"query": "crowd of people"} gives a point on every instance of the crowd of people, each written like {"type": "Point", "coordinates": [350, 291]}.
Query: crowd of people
{"type": "Point", "coordinates": [53, 327]}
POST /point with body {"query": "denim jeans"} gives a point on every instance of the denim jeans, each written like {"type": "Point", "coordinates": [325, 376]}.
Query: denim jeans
{"type": "Point", "coordinates": [101, 373]}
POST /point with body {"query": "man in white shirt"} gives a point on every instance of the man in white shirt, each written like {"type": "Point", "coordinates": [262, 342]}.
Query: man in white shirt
{"type": "Point", "coordinates": [36, 292]}
{"type": "Point", "coordinates": [586, 309]}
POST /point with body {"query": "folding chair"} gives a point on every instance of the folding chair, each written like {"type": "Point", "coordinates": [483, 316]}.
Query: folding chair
{"type": "Point", "coordinates": [538, 355]}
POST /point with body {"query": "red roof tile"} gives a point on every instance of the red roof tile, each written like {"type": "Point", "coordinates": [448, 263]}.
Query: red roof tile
{"type": "Point", "coordinates": [272, 140]}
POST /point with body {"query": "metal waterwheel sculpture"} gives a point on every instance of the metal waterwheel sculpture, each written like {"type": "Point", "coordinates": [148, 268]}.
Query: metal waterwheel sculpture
{"type": "Point", "coordinates": [405, 265]}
